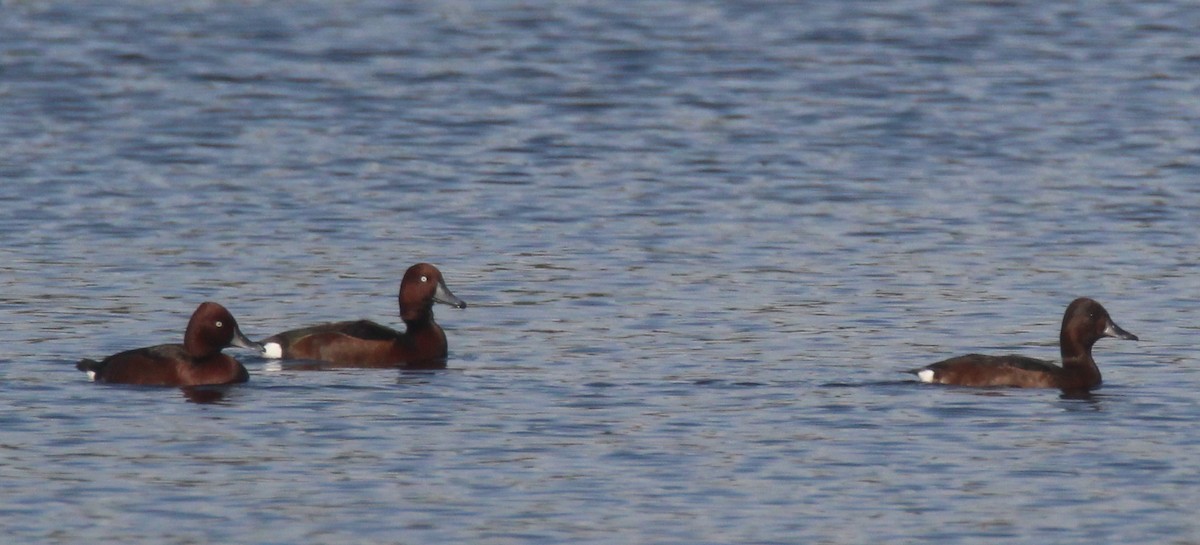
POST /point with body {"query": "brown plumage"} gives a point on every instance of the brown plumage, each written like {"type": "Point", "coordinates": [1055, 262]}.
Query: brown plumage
{"type": "Point", "coordinates": [1084, 323]}
{"type": "Point", "coordinates": [196, 362]}
{"type": "Point", "coordinates": [365, 343]}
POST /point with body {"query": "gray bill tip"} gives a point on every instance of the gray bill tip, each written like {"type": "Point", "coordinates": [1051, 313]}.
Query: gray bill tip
{"type": "Point", "coordinates": [1114, 330]}
{"type": "Point", "coordinates": [442, 295]}
{"type": "Point", "coordinates": [240, 341]}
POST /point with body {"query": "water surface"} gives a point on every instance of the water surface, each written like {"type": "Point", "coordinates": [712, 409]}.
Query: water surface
{"type": "Point", "coordinates": [700, 241]}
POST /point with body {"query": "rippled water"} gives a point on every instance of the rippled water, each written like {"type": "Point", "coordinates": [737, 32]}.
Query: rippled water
{"type": "Point", "coordinates": [700, 241]}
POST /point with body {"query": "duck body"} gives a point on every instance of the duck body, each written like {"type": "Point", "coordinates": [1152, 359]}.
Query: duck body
{"type": "Point", "coordinates": [362, 343]}
{"type": "Point", "coordinates": [164, 365]}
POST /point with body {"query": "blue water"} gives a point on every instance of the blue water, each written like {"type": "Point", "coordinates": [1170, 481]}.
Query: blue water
{"type": "Point", "coordinates": [700, 242]}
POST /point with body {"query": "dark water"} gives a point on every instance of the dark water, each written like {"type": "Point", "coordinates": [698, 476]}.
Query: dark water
{"type": "Point", "coordinates": [699, 240]}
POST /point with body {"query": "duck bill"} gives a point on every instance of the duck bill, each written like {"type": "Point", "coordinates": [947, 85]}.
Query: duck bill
{"type": "Point", "coordinates": [240, 341]}
{"type": "Point", "coordinates": [1114, 330]}
{"type": "Point", "coordinates": [442, 295]}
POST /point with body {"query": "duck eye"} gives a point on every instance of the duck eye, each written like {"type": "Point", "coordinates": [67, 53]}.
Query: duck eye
{"type": "Point", "coordinates": [219, 324]}
{"type": "Point", "coordinates": [424, 278]}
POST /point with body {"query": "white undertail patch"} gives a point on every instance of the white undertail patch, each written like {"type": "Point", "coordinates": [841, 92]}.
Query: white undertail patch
{"type": "Point", "coordinates": [91, 376]}
{"type": "Point", "coordinates": [272, 350]}
{"type": "Point", "coordinates": [926, 375]}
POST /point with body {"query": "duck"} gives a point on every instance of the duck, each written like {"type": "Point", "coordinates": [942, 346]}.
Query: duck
{"type": "Point", "coordinates": [197, 362]}
{"type": "Point", "coordinates": [364, 343]}
{"type": "Point", "coordinates": [1084, 322]}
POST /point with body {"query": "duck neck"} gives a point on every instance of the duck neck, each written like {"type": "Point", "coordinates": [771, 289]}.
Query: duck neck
{"type": "Point", "coordinates": [1076, 355]}
{"type": "Point", "coordinates": [197, 346]}
{"type": "Point", "coordinates": [424, 338]}
{"type": "Point", "coordinates": [417, 318]}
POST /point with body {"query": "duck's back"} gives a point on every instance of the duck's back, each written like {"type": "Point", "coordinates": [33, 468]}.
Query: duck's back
{"type": "Point", "coordinates": [980, 370]}
{"type": "Point", "coordinates": [359, 329]}
{"type": "Point", "coordinates": [360, 342]}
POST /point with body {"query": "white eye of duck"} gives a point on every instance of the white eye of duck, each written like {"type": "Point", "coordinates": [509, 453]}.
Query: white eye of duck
{"type": "Point", "coordinates": [424, 278]}
{"type": "Point", "coordinates": [219, 324]}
